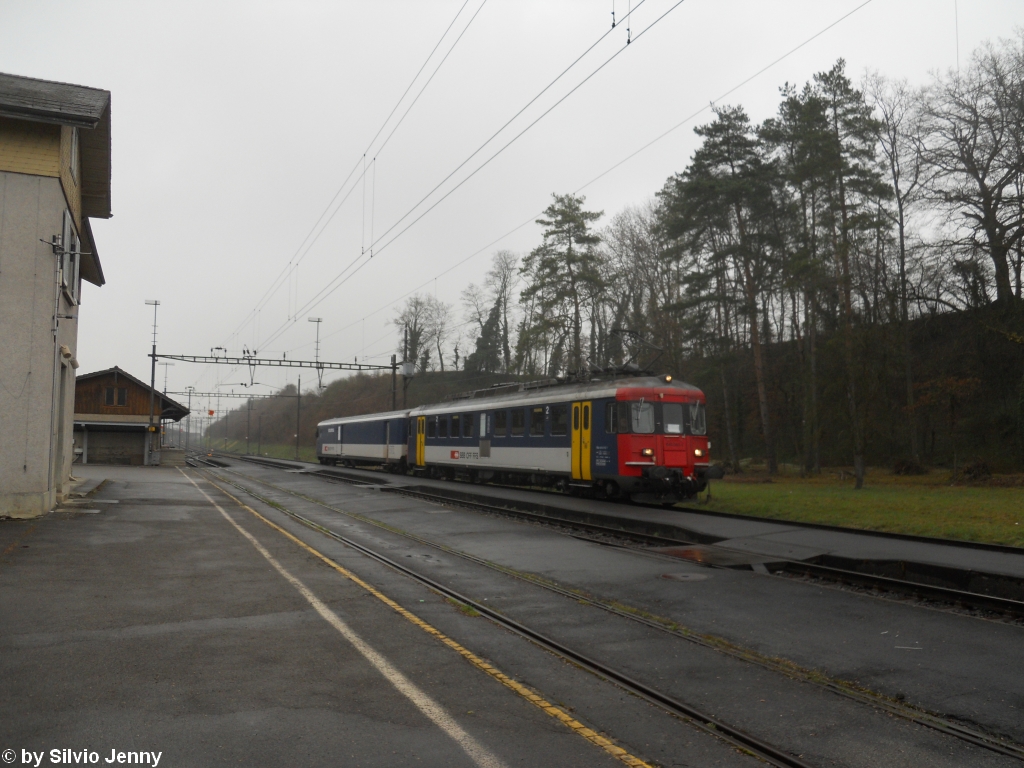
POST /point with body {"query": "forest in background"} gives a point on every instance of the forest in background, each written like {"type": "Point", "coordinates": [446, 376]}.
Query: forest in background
{"type": "Point", "coordinates": [843, 280]}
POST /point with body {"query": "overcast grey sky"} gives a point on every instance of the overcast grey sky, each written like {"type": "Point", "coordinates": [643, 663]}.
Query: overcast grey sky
{"type": "Point", "coordinates": [234, 125]}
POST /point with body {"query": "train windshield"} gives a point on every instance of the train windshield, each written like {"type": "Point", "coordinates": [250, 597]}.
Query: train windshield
{"type": "Point", "coordinates": [672, 414]}
{"type": "Point", "coordinates": [698, 421]}
{"type": "Point", "coordinates": [641, 418]}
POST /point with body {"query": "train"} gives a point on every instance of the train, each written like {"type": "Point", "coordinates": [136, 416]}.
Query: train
{"type": "Point", "coordinates": [640, 437]}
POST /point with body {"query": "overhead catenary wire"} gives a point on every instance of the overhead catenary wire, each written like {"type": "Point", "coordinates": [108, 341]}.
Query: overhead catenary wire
{"type": "Point", "coordinates": [348, 272]}
{"type": "Point", "coordinates": [276, 283]}
{"type": "Point", "coordinates": [617, 164]}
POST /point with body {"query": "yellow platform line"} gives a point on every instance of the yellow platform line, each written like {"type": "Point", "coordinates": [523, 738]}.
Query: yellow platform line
{"type": "Point", "coordinates": [538, 701]}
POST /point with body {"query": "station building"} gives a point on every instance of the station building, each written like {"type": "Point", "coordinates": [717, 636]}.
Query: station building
{"type": "Point", "coordinates": [112, 417]}
{"type": "Point", "coordinates": [54, 178]}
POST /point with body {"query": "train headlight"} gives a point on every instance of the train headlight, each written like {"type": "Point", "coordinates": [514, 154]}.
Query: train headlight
{"type": "Point", "coordinates": [698, 452]}
{"type": "Point", "coordinates": [647, 452]}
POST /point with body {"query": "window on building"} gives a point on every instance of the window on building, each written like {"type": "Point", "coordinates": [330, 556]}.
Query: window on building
{"type": "Point", "coordinates": [559, 420]}
{"type": "Point", "coordinates": [456, 425]}
{"type": "Point", "coordinates": [467, 425]}
{"type": "Point", "coordinates": [116, 396]}
{"type": "Point", "coordinates": [536, 422]}
{"type": "Point", "coordinates": [518, 422]}
{"type": "Point", "coordinates": [501, 423]}
{"type": "Point", "coordinates": [431, 426]}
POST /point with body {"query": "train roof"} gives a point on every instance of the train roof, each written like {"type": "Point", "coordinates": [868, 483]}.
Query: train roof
{"type": "Point", "coordinates": [529, 393]}
{"type": "Point", "coordinates": [364, 417]}
{"type": "Point", "coordinates": [532, 393]}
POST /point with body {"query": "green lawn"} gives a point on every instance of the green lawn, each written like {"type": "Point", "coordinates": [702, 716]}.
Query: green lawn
{"type": "Point", "coordinates": [922, 506]}
{"type": "Point", "coordinates": [306, 453]}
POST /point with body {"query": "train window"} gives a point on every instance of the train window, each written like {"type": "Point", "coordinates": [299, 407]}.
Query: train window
{"type": "Point", "coordinates": [609, 419]}
{"type": "Point", "coordinates": [537, 422]}
{"type": "Point", "coordinates": [586, 416]}
{"type": "Point", "coordinates": [672, 416]}
{"type": "Point", "coordinates": [698, 420]}
{"type": "Point", "coordinates": [623, 410]}
{"type": "Point", "coordinates": [456, 425]}
{"type": "Point", "coordinates": [559, 419]}
{"type": "Point", "coordinates": [412, 427]}
{"type": "Point", "coordinates": [500, 423]}
{"type": "Point", "coordinates": [641, 418]}
{"type": "Point", "coordinates": [431, 426]}
{"type": "Point", "coordinates": [442, 426]}
{"type": "Point", "coordinates": [467, 425]}
{"type": "Point", "coordinates": [518, 422]}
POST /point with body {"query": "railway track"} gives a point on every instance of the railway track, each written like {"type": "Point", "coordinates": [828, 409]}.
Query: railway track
{"type": "Point", "coordinates": [878, 701]}
{"type": "Point", "coordinates": [878, 583]}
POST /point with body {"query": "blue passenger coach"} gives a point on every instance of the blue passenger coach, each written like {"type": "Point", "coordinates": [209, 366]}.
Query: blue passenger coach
{"type": "Point", "coordinates": [374, 439]}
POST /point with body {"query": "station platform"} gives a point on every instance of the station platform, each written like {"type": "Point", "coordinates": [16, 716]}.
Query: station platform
{"type": "Point", "coordinates": [152, 619]}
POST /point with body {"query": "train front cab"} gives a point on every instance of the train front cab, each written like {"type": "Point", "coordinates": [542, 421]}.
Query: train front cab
{"type": "Point", "coordinates": [661, 441]}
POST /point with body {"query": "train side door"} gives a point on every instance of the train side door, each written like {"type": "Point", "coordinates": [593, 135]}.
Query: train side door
{"type": "Point", "coordinates": [581, 425]}
{"type": "Point", "coordinates": [421, 436]}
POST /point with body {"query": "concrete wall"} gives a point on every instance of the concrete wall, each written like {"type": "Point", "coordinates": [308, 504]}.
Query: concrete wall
{"type": "Point", "coordinates": [35, 429]}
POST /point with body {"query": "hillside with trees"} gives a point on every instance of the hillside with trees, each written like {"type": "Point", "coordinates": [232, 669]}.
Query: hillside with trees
{"type": "Point", "coordinates": [842, 279]}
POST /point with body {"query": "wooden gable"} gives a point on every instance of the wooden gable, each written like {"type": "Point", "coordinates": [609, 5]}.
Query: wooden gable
{"type": "Point", "coordinates": [94, 392]}
{"type": "Point", "coordinates": [91, 396]}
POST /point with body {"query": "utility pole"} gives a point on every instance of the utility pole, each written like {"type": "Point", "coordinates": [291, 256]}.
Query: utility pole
{"type": "Point", "coordinates": [394, 382]}
{"type": "Point", "coordinates": [166, 366]}
{"type": "Point", "coordinates": [316, 353]}
{"type": "Point", "coordinates": [298, 415]}
{"type": "Point", "coordinates": [188, 419]}
{"type": "Point", "coordinates": [248, 424]}
{"type": "Point", "coordinates": [152, 388]}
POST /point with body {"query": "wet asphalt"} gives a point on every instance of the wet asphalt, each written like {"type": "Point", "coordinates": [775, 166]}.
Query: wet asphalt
{"type": "Point", "coordinates": [152, 624]}
{"type": "Point", "coordinates": [965, 668]}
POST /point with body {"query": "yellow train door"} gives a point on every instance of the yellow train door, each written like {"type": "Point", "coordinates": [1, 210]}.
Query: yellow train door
{"type": "Point", "coordinates": [581, 418]}
{"type": "Point", "coordinates": [421, 436]}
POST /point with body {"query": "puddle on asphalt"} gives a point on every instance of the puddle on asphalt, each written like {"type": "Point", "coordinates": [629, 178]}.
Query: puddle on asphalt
{"type": "Point", "coordinates": [708, 555]}
{"type": "Point", "coordinates": [684, 576]}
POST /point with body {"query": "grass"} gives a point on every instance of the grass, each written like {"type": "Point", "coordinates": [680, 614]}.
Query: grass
{"type": "Point", "coordinates": [923, 506]}
{"type": "Point", "coordinates": [306, 453]}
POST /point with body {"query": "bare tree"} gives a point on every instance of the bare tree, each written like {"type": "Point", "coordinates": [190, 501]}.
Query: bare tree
{"type": "Point", "coordinates": [975, 142]}
{"type": "Point", "coordinates": [503, 279]}
{"type": "Point", "coordinates": [899, 130]}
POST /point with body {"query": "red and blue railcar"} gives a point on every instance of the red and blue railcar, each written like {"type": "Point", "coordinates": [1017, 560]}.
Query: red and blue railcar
{"type": "Point", "coordinates": [638, 436]}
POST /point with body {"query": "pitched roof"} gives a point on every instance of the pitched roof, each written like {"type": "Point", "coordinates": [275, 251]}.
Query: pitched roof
{"type": "Point", "coordinates": [28, 98]}
{"type": "Point", "coordinates": [177, 410]}
{"type": "Point", "coordinates": [50, 102]}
